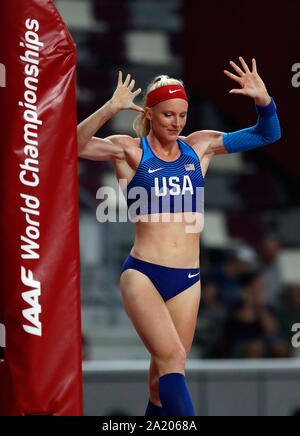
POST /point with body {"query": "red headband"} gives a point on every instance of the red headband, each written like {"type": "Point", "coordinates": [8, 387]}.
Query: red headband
{"type": "Point", "coordinates": [165, 93]}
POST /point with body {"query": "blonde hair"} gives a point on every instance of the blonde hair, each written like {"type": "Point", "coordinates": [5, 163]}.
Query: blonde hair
{"type": "Point", "coordinates": [141, 124]}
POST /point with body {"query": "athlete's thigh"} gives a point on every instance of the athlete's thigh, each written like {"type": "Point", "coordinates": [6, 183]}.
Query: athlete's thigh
{"type": "Point", "coordinates": [149, 314]}
{"type": "Point", "coordinates": [183, 309]}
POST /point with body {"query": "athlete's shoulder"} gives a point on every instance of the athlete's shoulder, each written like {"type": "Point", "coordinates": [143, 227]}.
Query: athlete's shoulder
{"type": "Point", "coordinates": [204, 141]}
{"type": "Point", "coordinates": [124, 140]}
{"type": "Point", "coordinates": [201, 137]}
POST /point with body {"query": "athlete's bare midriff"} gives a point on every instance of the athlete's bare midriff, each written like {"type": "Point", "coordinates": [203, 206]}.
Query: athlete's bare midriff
{"type": "Point", "coordinates": [168, 243]}
{"type": "Point", "coordinates": [175, 243]}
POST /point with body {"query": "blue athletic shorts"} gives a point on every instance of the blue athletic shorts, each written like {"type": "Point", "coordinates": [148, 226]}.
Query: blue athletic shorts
{"type": "Point", "coordinates": [168, 281]}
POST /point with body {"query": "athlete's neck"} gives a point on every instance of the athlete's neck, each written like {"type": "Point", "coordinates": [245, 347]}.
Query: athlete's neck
{"type": "Point", "coordinates": [164, 148]}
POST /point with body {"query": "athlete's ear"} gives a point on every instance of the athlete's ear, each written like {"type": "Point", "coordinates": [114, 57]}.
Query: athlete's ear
{"type": "Point", "coordinates": [148, 113]}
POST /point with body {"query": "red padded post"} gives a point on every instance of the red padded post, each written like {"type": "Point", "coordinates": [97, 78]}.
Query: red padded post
{"type": "Point", "coordinates": [40, 266]}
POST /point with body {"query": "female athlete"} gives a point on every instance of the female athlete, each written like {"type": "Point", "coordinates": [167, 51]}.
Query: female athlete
{"type": "Point", "coordinates": [160, 279]}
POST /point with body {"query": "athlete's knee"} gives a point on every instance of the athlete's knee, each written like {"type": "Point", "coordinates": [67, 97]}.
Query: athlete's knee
{"type": "Point", "coordinates": [172, 359]}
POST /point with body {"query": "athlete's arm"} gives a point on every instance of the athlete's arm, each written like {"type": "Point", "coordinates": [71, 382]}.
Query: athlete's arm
{"type": "Point", "coordinates": [267, 129]}
{"type": "Point", "coordinates": [111, 148]}
{"type": "Point", "coordinates": [93, 148]}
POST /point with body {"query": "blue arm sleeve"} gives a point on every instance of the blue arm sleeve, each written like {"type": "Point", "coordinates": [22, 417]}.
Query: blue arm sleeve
{"type": "Point", "coordinates": [266, 131]}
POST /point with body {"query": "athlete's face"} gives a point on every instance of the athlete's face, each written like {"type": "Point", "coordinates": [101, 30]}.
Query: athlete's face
{"type": "Point", "coordinates": [168, 118]}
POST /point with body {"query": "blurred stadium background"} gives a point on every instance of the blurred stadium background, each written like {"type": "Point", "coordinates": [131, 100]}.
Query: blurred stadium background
{"type": "Point", "coordinates": [250, 245]}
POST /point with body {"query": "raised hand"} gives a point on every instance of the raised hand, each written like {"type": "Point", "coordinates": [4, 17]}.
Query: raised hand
{"type": "Point", "coordinates": [250, 82]}
{"type": "Point", "coordinates": [123, 95]}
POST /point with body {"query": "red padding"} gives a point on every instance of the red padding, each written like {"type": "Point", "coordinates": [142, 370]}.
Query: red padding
{"type": "Point", "coordinates": [40, 266]}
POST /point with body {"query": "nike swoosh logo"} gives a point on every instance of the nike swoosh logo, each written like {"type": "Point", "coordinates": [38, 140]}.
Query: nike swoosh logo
{"type": "Point", "coordinates": [193, 275]}
{"type": "Point", "coordinates": [154, 171]}
{"type": "Point", "coordinates": [172, 92]}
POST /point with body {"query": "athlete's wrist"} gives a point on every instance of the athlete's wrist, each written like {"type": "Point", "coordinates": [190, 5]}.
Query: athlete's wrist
{"type": "Point", "coordinates": [115, 105]}
{"type": "Point", "coordinates": [263, 100]}
{"type": "Point", "coordinates": [266, 110]}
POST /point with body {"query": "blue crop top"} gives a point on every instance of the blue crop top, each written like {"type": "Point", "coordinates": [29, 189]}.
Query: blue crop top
{"type": "Point", "coordinates": [159, 186]}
